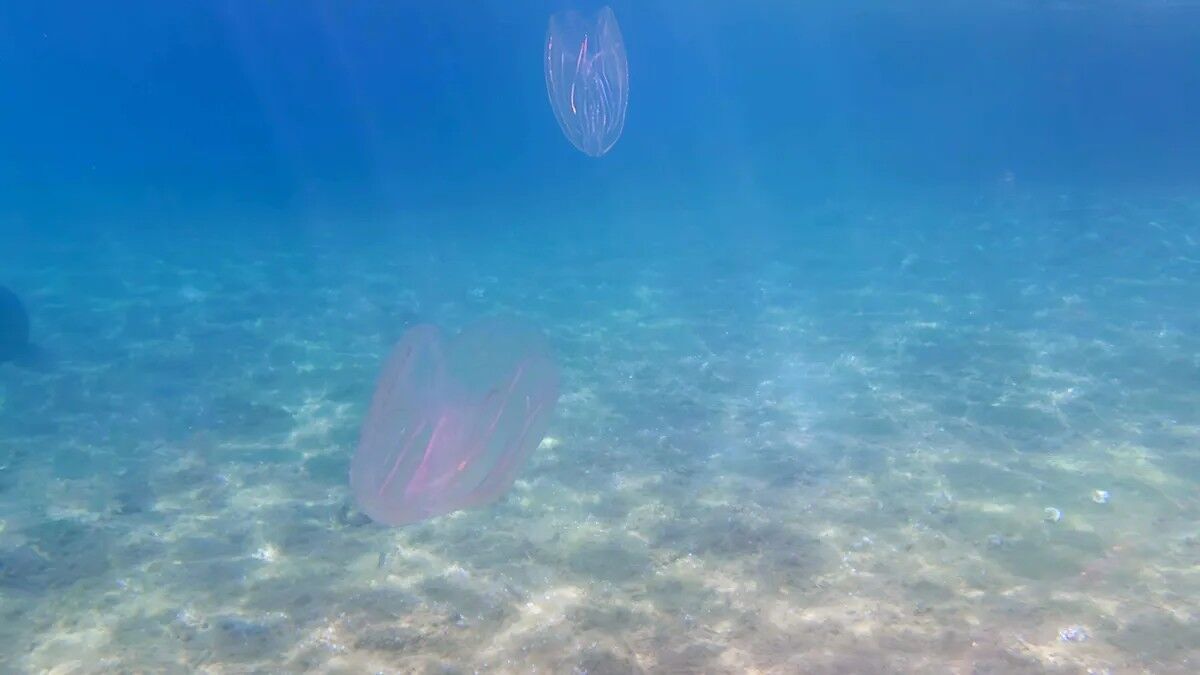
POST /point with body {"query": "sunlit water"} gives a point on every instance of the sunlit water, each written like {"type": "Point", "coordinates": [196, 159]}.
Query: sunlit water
{"type": "Point", "coordinates": [876, 325]}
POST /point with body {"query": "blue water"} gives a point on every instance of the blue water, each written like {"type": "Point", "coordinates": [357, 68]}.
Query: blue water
{"type": "Point", "coordinates": [877, 331]}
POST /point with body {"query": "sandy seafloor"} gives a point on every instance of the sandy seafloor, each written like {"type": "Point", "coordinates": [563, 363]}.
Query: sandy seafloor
{"type": "Point", "coordinates": [830, 452]}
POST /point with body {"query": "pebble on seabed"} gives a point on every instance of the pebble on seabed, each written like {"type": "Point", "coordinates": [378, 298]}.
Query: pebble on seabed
{"type": "Point", "coordinates": [1073, 634]}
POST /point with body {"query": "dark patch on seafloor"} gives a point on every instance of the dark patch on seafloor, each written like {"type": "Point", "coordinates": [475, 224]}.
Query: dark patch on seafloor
{"type": "Point", "coordinates": [14, 326]}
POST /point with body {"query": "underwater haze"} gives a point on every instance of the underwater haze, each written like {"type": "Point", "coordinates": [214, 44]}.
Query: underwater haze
{"type": "Point", "coordinates": [864, 336]}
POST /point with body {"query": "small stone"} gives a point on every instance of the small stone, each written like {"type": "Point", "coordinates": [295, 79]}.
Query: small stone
{"type": "Point", "coordinates": [1073, 634]}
